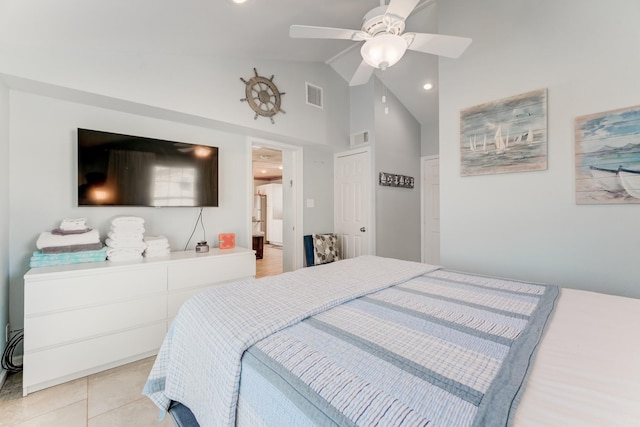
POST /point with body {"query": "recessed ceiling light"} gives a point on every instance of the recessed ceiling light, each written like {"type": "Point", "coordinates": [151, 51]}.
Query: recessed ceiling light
{"type": "Point", "coordinates": [427, 86]}
{"type": "Point", "coordinates": [239, 1]}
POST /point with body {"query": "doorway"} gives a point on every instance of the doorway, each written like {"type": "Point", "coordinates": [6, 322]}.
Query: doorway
{"type": "Point", "coordinates": [353, 204]}
{"type": "Point", "coordinates": [275, 217]}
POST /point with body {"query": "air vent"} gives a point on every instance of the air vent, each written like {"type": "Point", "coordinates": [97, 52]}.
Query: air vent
{"type": "Point", "coordinates": [314, 95]}
{"type": "Point", "coordinates": [360, 138]}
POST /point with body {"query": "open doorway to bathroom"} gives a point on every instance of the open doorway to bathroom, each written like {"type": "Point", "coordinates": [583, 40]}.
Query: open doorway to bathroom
{"type": "Point", "coordinates": [267, 216]}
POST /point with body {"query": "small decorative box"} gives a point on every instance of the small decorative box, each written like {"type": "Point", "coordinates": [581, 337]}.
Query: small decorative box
{"type": "Point", "coordinates": [227, 240]}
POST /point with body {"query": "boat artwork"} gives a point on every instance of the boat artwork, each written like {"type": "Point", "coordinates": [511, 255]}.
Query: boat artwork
{"type": "Point", "coordinates": [507, 135]}
{"type": "Point", "coordinates": [618, 180]}
{"type": "Point", "coordinates": [607, 157]}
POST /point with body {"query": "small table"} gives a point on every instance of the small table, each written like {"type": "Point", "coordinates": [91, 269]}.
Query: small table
{"type": "Point", "coordinates": [258, 245]}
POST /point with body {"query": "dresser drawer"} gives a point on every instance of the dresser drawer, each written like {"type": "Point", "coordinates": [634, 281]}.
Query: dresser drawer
{"type": "Point", "coordinates": [51, 294]}
{"type": "Point", "coordinates": [59, 364]}
{"type": "Point", "coordinates": [68, 326]}
{"type": "Point", "coordinates": [199, 272]}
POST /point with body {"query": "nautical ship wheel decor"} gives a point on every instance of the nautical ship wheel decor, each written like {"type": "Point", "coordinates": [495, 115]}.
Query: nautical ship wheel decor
{"type": "Point", "coordinates": [263, 96]}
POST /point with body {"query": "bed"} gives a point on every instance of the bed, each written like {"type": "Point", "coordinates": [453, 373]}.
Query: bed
{"type": "Point", "coordinates": [378, 341]}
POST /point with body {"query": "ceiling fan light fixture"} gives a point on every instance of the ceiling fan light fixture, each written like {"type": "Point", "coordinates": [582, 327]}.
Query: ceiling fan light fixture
{"type": "Point", "coordinates": [384, 50]}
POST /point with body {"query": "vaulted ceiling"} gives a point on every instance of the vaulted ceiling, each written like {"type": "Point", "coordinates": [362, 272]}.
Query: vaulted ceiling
{"type": "Point", "coordinates": [254, 29]}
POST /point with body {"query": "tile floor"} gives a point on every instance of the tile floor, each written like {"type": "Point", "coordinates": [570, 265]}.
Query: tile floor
{"type": "Point", "coordinates": [109, 398]}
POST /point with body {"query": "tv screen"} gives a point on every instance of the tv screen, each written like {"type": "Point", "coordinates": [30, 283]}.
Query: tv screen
{"type": "Point", "coordinates": [125, 170]}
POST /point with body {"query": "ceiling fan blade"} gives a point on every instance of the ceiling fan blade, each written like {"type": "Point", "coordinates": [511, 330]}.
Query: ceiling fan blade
{"type": "Point", "coordinates": [309, 32]}
{"type": "Point", "coordinates": [362, 74]}
{"type": "Point", "coordinates": [401, 8]}
{"type": "Point", "coordinates": [438, 44]}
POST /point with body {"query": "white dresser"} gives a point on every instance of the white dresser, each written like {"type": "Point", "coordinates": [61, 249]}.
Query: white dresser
{"type": "Point", "coordinates": [84, 318]}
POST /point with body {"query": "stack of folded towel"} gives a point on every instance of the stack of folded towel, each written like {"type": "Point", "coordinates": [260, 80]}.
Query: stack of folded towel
{"type": "Point", "coordinates": [157, 247]}
{"type": "Point", "coordinates": [125, 241]}
{"type": "Point", "coordinates": [71, 243]}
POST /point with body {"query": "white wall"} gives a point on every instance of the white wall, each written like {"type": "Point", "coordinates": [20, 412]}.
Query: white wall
{"type": "Point", "coordinates": [527, 225]}
{"type": "Point", "coordinates": [4, 209]}
{"type": "Point", "coordinates": [200, 86]}
{"type": "Point", "coordinates": [43, 179]}
{"type": "Point", "coordinates": [397, 150]}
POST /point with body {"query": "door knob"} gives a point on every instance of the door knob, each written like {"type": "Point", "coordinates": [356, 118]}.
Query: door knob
{"type": "Point", "coordinates": [363, 229]}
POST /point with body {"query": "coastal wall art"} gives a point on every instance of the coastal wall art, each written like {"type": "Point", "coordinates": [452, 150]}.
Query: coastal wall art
{"type": "Point", "coordinates": [608, 157]}
{"type": "Point", "coordinates": [508, 135]}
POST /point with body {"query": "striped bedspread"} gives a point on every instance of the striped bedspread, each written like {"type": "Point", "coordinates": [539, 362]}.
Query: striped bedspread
{"type": "Point", "coordinates": [428, 347]}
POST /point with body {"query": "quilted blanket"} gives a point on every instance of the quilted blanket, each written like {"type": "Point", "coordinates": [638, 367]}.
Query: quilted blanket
{"type": "Point", "coordinates": [199, 361]}
{"type": "Point", "coordinates": [364, 341]}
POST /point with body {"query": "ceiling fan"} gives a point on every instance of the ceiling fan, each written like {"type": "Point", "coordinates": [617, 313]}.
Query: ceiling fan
{"type": "Point", "coordinates": [384, 41]}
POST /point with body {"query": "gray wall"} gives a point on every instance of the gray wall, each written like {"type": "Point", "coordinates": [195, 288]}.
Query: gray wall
{"type": "Point", "coordinates": [430, 136]}
{"type": "Point", "coordinates": [318, 186]}
{"type": "Point", "coordinates": [395, 139]}
{"type": "Point", "coordinates": [41, 187]}
{"type": "Point", "coordinates": [527, 225]}
{"type": "Point", "coordinates": [396, 150]}
{"type": "Point", "coordinates": [4, 210]}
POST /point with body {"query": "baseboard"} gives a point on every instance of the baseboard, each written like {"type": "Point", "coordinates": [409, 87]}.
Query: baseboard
{"type": "Point", "coordinates": [3, 378]}
{"type": "Point", "coordinates": [4, 373]}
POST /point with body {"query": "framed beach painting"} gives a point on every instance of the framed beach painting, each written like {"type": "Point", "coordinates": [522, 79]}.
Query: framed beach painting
{"type": "Point", "coordinates": [608, 157]}
{"type": "Point", "coordinates": [508, 135]}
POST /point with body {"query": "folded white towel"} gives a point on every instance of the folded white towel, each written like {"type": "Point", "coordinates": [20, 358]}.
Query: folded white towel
{"type": "Point", "coordinates": [116, 235]}
{"type": "Point", "coordinates": [126, 244]}
{"type": "Point", "coordinates": [157, 253]}
{"type": "Point", "coordinates": [156, 242]}
{"type": "Point", "coordinates": [123, 228]}
{"type": "Point", "coordinates": [48, 240]}
{"type": "Point", "coordinates": [153, 239]}
{"type": "Point", "coordinates": [113, 251]}
{"type": "Point", "coordinates": [128, 220]}
{"type": "Point", "coordinates": [73, 224]}
{"type": "Point", "coordinates": [157, 250]}
{"type": "Point", "coordinates": [124, 256]}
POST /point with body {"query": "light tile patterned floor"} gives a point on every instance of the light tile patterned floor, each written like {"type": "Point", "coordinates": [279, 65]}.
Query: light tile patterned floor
{"type": "Point", "coordinates": [110, 398]}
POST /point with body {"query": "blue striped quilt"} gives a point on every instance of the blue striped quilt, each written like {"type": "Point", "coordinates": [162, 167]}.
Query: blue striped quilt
{"type": "Point", "coordinates": [427, 347]}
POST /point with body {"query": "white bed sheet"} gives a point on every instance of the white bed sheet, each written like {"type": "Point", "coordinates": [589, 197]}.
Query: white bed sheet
{"type": "Point", "coordinates": [587, 370]}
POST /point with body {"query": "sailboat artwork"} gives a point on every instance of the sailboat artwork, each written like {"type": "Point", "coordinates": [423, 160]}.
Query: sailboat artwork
{"type": "Point", "coordinates": [608, 157]}
{"type": "Point", "coordinates": [514, 135]}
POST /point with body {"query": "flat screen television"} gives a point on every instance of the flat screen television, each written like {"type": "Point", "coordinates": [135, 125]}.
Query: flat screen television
{"type": "Point", "coordinates": [126, 170]}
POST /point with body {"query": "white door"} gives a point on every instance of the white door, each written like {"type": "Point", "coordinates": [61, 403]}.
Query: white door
{"type": "Point", "coordinates": [291, 184]}
{"type": "Point", "coordinates": [353, 209]}
{"type": "Point", "coordinates": [431, 210]}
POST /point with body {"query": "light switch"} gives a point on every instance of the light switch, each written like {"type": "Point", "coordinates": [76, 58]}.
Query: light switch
{"type": "Point", "coordinates": [310, 203]}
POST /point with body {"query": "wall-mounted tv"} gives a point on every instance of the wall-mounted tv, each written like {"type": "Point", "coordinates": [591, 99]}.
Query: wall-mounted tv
{"type": "Point", "coordinates": [125, 170]}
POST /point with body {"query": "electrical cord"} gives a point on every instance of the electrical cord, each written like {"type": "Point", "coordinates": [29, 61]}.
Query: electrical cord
{"type": "Point", "coordinates": [204, 233]}
{"type": "Point", "coordinates": [7, 356]}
